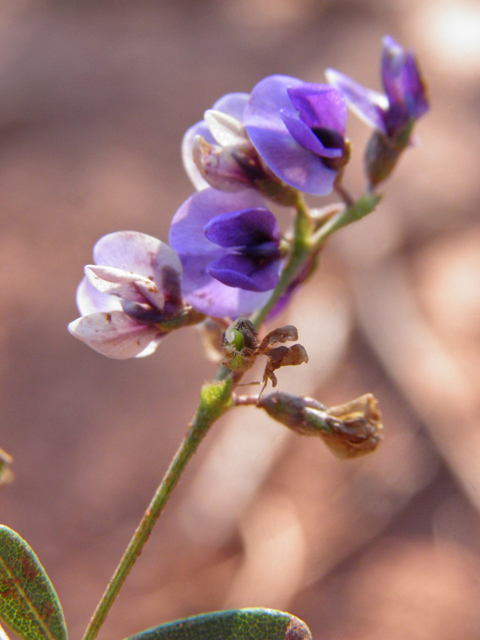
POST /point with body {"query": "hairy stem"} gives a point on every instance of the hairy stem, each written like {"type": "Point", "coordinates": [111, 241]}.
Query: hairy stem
{"type": "Point", "coordinates": [215, 399]}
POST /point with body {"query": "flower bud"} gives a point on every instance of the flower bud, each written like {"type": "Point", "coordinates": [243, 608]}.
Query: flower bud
{"type": "Point", "coordinates": [349, 430]}
{"type": "Point", "coordinates": [240, 345]}
{"type": "Point", "coordinates": [382, 154]}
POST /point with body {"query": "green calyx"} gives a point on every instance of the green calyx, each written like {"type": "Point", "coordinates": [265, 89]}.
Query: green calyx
{"type": "Point", "coordinates": [239, 345]}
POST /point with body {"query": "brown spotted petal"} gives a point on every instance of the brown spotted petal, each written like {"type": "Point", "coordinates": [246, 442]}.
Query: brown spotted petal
{"type": "Point", "coordinates": [115, 335]}
{"type": "Point", "coordinates": [218, 166]}
{"type": "Point", "coordinates": [283, 357]}
{"type": "Point", "coordinates": [124, 284]}
{"type": "Point", "coordinates": [288, 333]}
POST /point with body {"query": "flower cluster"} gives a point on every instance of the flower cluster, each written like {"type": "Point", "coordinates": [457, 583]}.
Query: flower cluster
{"type": "Point", "coordinates": [227, 253]}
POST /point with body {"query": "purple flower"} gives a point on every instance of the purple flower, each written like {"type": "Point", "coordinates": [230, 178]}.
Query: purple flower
{"type": "Point", "coordinates": [405, 99]}
{"type": "Point", "coordinates": [229, 247]}
{"type": "Point", "coordinates": [298, 130]}
{"type": "Point", "coordinates": [134, 286]}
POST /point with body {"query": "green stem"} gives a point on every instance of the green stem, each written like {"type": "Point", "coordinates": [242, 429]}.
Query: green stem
{"type": "Point", "coordinates": [215, 399]}
{"type": "Point", "coordinates": [301, 250]}
{"type": "Point", "coordinates": [363, 206]}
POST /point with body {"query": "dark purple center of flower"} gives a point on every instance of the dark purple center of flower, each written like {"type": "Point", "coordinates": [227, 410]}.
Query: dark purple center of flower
{"type": "Point", "coordinates": [251, 258]}
{"type": "Point", "coordinates": [146, 313]}
{"type": "Point", "coordinates": [332, 139]}
{"type": "Point", "coordinates": [172, 290]}
{"type": "Point", "coordinates": [317, 124]}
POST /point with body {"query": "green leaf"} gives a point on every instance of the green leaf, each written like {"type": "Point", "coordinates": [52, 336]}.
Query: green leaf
{"type": "Point", "coordinates": [236, 624]}
{"type": "Point", "coordinates": [28, 602]}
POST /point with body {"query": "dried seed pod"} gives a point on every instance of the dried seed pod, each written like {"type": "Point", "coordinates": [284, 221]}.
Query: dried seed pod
{"type": "Point", "coordinates": [349, 430]}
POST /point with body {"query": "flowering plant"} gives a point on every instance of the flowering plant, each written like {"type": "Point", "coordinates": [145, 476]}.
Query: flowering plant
{"type": "Point", "coordinates": [229, 265]}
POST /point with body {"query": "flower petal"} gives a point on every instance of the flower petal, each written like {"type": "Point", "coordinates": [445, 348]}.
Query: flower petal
{"type": "Point", "coordinates": [319, 105]}
{"type": "Point", "coordinates": [415, 89]}
{"type": "Point", "coordinates": [187, 231]}
{"type": "Point", "coordinates": [136, 252]}
{"type": "Point", "coordinates": [124, 284]}
{"type": "Point", "coordinates": [211, 297]}
{"type": "Point", "coordinates": [227, 131]}
{"type": "Point", "coordinates": [232, 104]}
{"type": "Point", "coordinates": [369, 106]}
{"type": "Point", "coordinates": [151, 348]}
{"type": "Point", "coordinates": [405, 89]}
{"type": "Point", "coordinates": [198, 129]}
{"type": "Point", "coordinates": [219, 166]}
{"type": "Point", "coordinates": [113, 334]}
{"type": "Point", "coordinates": [196, 252]}
{"type": "Point", "coordinates": [243, 228]}
{"type": "Point", "coordinates": [306, 137]}
{"type": "Point", "coordinates": [245, 272]}
{"type": "Point", "coordinates": [392, 65]}
{"type": "Point", "coordinates": [292, 163]}
{"type": "Point", "coordinates": [91, 300]}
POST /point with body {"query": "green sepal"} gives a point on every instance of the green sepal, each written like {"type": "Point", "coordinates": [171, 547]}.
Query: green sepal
{"type": "Point", "coordinates": [28, 602]}
{"type": "Point", "coordinates": [239, 344]}
{"type": "Point", "coordinates": [235, 624]}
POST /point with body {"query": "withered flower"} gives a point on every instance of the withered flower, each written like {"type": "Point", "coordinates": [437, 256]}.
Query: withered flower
{"type": "Point", "coordinates": [241, 348]}
{"type": "Point", "coordinates": [349, 430]}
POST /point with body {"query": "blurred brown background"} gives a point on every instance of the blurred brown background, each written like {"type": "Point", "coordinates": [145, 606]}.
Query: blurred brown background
{"type": "Point", "coordinates": [94, 100]}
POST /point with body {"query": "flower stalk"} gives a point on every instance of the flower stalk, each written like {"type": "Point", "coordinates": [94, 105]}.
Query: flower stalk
{"type": "Point", "coordinates": [215, 399]}
{"type": "Point", "coordinates": [301, 250]}
{"type": "Point", "coordinates": [358, 210]}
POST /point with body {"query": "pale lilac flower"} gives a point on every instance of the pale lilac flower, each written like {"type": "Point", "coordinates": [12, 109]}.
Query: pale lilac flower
{"type": "Point", "coordinates": [298, 130]}
{"type": "Point", "coordinates": [229, 247]}
{"type": "Point", "coordinates": [405, 99]}
{"type": "Point", "coordinates": [133, 287]}
{"type": "Point", "coordinates": [212, 147]}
